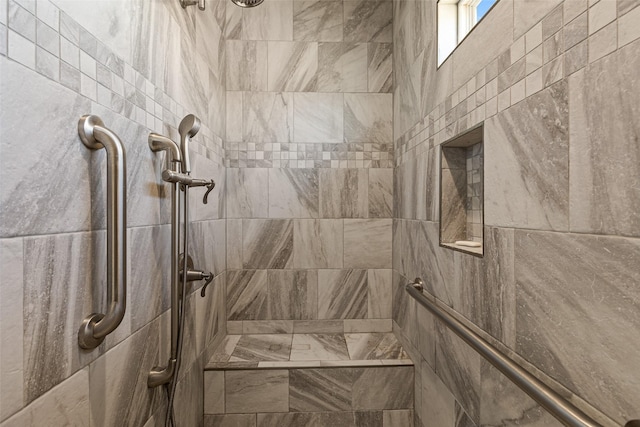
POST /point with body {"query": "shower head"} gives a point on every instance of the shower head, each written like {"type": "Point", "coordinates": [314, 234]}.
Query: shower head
{"type": "Point", "coordinates": [247, 3]}
{"type": "Point", "coordinates": [189, 126]}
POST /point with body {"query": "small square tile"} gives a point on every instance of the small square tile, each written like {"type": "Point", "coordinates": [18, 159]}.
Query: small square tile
{"type": "Point", "coordinates": [21, 50]}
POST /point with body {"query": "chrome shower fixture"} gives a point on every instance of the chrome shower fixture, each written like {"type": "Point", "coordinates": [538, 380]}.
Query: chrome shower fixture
{"type": "Point", "coordinates": [185, 3]}
{"type": "Point", "coordinates": [247, 3]}
{"type": "Point", "coordinates": [189, 127]}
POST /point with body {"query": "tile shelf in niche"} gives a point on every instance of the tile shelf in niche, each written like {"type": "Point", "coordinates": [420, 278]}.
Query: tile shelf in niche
{"type": "Point", "coordinates": [462, 192]}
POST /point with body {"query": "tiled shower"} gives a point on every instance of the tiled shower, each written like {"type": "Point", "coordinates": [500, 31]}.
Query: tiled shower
{"type": "Point", "coordinates": [322, 126]}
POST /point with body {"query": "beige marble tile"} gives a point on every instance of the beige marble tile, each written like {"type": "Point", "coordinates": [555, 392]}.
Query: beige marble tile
{"type": "Point", "coordinates": [279, 253]}
{"type": "Point", "coordinates": [11, 318]}
{"type": "Point", "coordinates": [293, 294]}
{"type": "Point", "coordinates": [292, 66]}
{"type": "Point", "coordinates": [262, 347]}
{"type": "Point", "coordinates": [521, 191]}
{"type": "Point", "coordinates": [342, 294]}
{"type": "Point", "coordinates": [293, 193]}
{"type": "Point", "coordinates": [438, 404]}
{"type": "Point", "coordinates": [379, 294]}
{"type": "Point", "coordinates": [397, 418]}
{"type": "Point", "coordinates": [380, 193]}
{"type": "Point", "coordinates": [319, 347]}
{"type": "Point", "coordinates": [65, 404]}
{"type": "Point", "coordinates": [367, 243]}
{"type": "Point", "coordinates": [368, 21]}
{"type": "Point", "coordinates": [246, 65]}
{"type": "Point", "coordinates": [317, 20]}
{"type": "Point", "coordinates": [213, 392]}
{"type": "Point", "coordinates": [561, 308]}
{"type": "Point", "coordinates": [602, 148]}
{"type": "Point", "coordinates": [247, 194]}
{"type": "Point", "coordinates": [318, 243]}
{"type": "Point", "coordinates": [256, 391]}
{"type": "Point", "coordinates": [274, 21]}
{"type": "Point", "coordinates": [344, 193]}
{"type": "Point", "coordinates": [267, 117]}
{"type": "Point", "coordinates": [267, 327]}
{"type": "Point", "coordinates": [230, 420]}
{"type": "Point", "coordinates": [318, 117]}
{"type": "Point", "coordinates": [368, 118]}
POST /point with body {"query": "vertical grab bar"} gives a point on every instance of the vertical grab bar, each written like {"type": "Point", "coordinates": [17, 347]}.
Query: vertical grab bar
{"type": "Point", "coordinates": [97, 326]}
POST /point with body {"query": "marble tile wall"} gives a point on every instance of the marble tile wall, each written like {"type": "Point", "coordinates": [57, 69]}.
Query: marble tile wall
{"type": "Point", "coordinates": [309, 155]}
{"type": "Point", "coordinates": [316, 91]}
{"type": "Point", "coordinates": [153, 63]}
{"type": "Point", "coordinates": [554, 83]}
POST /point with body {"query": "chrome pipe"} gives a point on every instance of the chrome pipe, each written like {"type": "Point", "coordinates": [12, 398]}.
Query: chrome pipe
{"type": "Point", "coordinates": [163, 375]}
{"type": "Point", "coordinates": [563, 410]}
{"type": "Point", "coordinates": [173, 157]}
{"type": "Point", "coordinates": [97, 326]}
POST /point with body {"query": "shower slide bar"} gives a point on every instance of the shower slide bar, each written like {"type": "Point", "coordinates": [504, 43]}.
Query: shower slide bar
{"type": "Point", "coordinates": [555, 404]}
{"type": "Point", "coordinates": [97, 326]}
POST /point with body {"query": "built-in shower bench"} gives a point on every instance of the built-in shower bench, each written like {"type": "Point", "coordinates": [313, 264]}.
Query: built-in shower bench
{"type": "Point", "coordinates": [317, 380]}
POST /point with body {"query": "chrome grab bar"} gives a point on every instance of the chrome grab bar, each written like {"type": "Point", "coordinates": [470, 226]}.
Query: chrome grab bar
{"type": "Point", "coordinates": [551, 401]}
{"type": "Point", "coordinates": [97, 326]}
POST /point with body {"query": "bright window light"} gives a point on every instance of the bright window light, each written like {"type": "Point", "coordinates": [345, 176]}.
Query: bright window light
{"type": "Point", "coordinates": [456, 18]}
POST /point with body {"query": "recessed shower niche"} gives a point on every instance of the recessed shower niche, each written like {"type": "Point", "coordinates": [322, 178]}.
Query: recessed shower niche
{"type": "Point", "coordinates": [462, 192]}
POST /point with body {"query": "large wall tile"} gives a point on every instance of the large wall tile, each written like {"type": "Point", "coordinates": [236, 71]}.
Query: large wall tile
{"type": "Point", "coordinates": [247, 193]}
{"type": "Point", "coordinates": [320, 390]}
{"type": "Point", "coordinates": [438, 404]}
{"type": "Point", "coordinates": [502, 400]}
{"type": "Point", "coordinates": [247, 295]}
{"type": "Point", "coordinates": [150, 281]}
{"type": "Point", "coordinates": [65, 404]}
{"type": "Point", "coordinates": [318, 243]}
{"type": "Point", "coordinates": [11, 339]}
{"type": "Point", "coordinates": [318, 117]}
{"type": "Point", "coordinates": [246, 65]}
{"type": "Point", "coordinates": [279, 254]}
{"type": "Point", "coordinates": [379, 294]}
{"type": "Point", "coordinates": [380, 193]}
{"type": "Point", "coordinates": [368, 118]}
{"type": "Point", "coordinates": [367, 243]}
{"type": "Point", "coordinates": [575, 318]}
{"type": "Point", "coordinates": [274, 21]}
{"type": "Point", "coordinates": [293, 193]}
{"type": "Point", "coordinates": [125, 399]}
{"type": "Point", "coordinates": [57, 297]}
{"type": "Point", "coordinates": [267, 117]}
{"type": "Point", "coordinates": [341, 67]}
{"type": "Point", "coordinates": [342, 294]}
{"type": "Point", "coordinates": [527, 163]}
{"type": "Point", "coordinates": [317, 20]}
{"type": "Point", "coordinates": [292, 66]}
{"type": "Point", "coordinates": [344, 193]}
{"type": "Point", "coordinates": [29, 182]}
{"type": "Point", "coordinates": [293, 294]}
{"type": "Point", "coordinates": [368, 21]}
{"type": "Point", "coordinates": [257, 391]}
{"type": "Point", "coordinates": [604, 178]}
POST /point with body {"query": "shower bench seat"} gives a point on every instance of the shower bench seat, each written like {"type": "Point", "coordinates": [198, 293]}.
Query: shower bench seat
{"type": "Point", "coordinates": [310, 380]}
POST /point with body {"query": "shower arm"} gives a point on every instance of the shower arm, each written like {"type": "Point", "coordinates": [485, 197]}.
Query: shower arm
{"type": "Point", "coordinates": [185, 3]}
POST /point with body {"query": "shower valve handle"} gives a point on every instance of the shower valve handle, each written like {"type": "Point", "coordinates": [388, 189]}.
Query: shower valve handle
{"type": "Point", "coordinates": [209, 278]}
{"type": "Point", "coordinates": [210, 186]}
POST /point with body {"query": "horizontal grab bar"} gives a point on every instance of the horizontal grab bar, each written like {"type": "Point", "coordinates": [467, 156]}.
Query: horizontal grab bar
{"type": "Point", "coordinates": [551, 401]}
{"type": "Point", "coordinates": [97, 326]}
